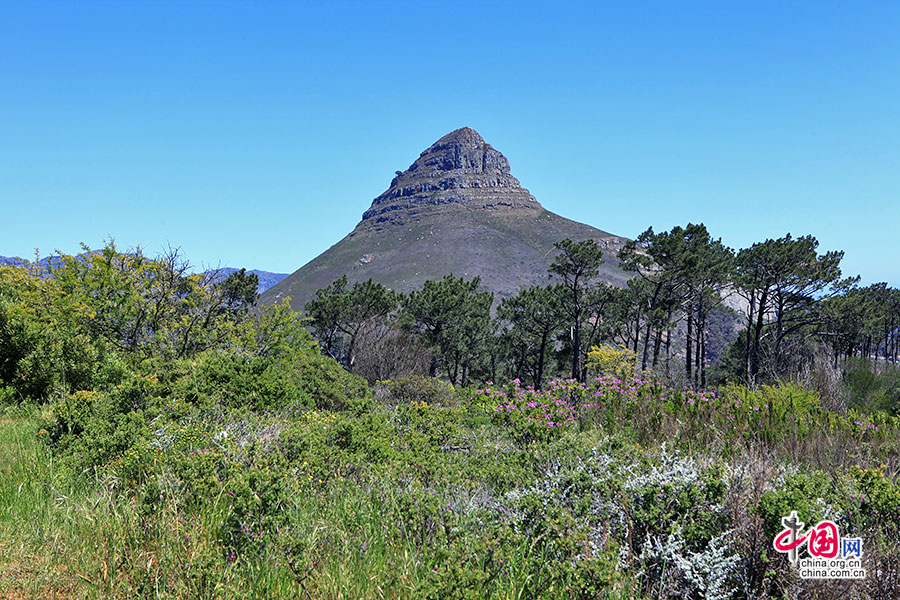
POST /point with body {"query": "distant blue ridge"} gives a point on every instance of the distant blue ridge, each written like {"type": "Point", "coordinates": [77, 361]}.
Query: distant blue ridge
{"type": "Point", "coordinates": [266, 279]}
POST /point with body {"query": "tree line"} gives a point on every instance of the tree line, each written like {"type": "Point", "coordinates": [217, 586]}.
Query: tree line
{"type": "Point", "coordinates": [692, 302]}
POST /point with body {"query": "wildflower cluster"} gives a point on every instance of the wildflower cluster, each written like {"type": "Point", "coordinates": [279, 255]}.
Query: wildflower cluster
{"type": "Point", "coordinates": [318, 418]}
{"type": "Point", "coordinates": [769, 414]}
{"type": "Point", "coordinates": [527, 407]}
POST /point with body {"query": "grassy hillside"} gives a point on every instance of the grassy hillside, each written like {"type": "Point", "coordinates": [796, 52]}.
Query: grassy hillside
{"type": "Point", "coordinates": [508, 248]}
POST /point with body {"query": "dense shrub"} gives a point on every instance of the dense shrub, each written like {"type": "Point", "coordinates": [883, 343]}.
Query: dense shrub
{"type": "Point", "coordinates": [813, 494]}
{"type": "Point", "coordinates": [328, 385]}
{"type": "Point", "coordinates": [871, 391]}
{"type": "Point", "coordinates": [418, 388]}
{"type": "Point", "coordinates": [254, 382]}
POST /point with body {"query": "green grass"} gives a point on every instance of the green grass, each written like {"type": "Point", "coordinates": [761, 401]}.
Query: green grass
{"type": "Point", "coordinates": [417, 500]}
{"type": "Point", "coordinates": [82, 535]}
{"type": "Point", "coordinates": [72, 535]}
{"type": "Point", "coordinates": [30, 522]}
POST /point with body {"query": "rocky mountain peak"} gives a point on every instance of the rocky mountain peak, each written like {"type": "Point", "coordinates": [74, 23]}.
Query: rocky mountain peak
{"type": "Point", "coordinates": [456, 209]}
{"type": "Point", "coordinates": [463, 135]}
{"type": "Point", "coordinates": [459, 169]}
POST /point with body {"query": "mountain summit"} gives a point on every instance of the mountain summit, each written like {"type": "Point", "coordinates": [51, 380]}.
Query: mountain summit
{"type": "Point", "coordinates": [459, 168]}
{"type": "Point", "coordinates": [457, 209]}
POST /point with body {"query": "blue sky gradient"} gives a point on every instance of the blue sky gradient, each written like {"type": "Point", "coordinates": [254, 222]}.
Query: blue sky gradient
{"type": "Point", "coordinates": [256, 133]}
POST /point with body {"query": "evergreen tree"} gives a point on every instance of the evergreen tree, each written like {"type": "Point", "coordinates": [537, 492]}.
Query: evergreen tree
{"type": "Point", "coordinates": [341, 315]}
{"type": "Point", "coordinates": [576, 264]}
{"type": "Point", "coordinates": [532, 318]}
{"type": "Point", "coordinates": [455, 319]}
{"type": "Point", "coordinates": [239, 290]}
{"type": "Point", "coordinates": [682, 274]}
{"type": "Point", "coordinates": [784, 281]}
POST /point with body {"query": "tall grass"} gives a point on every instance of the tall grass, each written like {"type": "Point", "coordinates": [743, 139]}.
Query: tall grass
{"type": "Point", "coordinates": [479, 498]}
{"type": "Point", "coordinates": [65, 534]}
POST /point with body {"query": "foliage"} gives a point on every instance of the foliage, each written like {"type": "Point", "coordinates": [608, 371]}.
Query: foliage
{"type": "Point", "coordinates": [681, 273]}
{"type": "Point", "coordinates": [455, 319]}
{"type": "Point", "coordinates": [784, 281]}
{"type": "Point", "coordinates": [871, 391]}
{"type": "Point", "coordinates": [341, 315]}
{"type": "Point", "coordinates": [255, 382]}
{"type": "Point", "coordinates": [613, 362]}
{"type": "Point", "coordinates": [576, 265]}
{"type": "Point", "coordinates": [224, 454]}
{"type": "Point", "coordinates": [531, 414]}
{"type": "Point", "coordinates": [533, 316]}
{"type": "Point", "coordinates": [404, 390]}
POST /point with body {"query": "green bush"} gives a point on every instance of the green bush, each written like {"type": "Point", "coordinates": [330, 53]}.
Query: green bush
{"type": "Point", "coordinates": [813, 494]}
{"type": "Point", "coordinates": [870, 391]}
{"type": "Point", "coordinates": [104, 440]}
{"type": "Point", "coordinates": [254, 382]}
{"type": "Point", "coordinates": [8, 395]}
{"type": "Point", "coordinates": [878, 498]}
{"type": "Point", "coordinates": [310, 444]}
{"type": "Point", "coordinates": [72, 411]}
{"type": "Point", "coordinates": [329, 385]}
{"type": "Point", "coordinates": [404, 390]}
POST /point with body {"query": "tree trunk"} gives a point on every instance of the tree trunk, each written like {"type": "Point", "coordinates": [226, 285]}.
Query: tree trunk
{"type": "Point", "coordinates": [646, 346]}
{"type": "Point", "coordinates": [687, 352]}
{"type": "Point", "coordinates": [749, 336]}
{"type": "Point", "coordinates": [703, 354]}
{"type": "Point", "coordinates": [576, 351]}
{"type": "Point", "coordinates": [779, 332]}
{"type": "Point", "coordinates": [757, 337]}
{"type": "Point", "coordinates": [637, 330]}
{"type": "Point", "coordinates": [656, 347]}
{"type": "Point", "coordinates": [698, 331]}
{"type": "Point", "coordinates": [539, 379]}
{"type": "Point", "coordinates": [668, 348]}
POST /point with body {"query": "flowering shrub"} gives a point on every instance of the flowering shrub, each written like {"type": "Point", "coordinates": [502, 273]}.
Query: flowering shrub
{"type": "Point", "coordinates": [780, 415]}
{"type": "Point", "coordinates": [877, 497]}
{"type": "Point", "coordinates": [532, 414]}
{"type": "Point", "coordinates": [611, 361]}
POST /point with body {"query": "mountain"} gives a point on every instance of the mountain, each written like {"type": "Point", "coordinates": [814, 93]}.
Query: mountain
{"type": "Point", "coordinates": [457, 209]}
{"type": "Point", "coordinates": [10, 260]}
{"type": "Point", "coordinates": [16, 261]}
{"type": "Point", "coordinates": [266, 278]}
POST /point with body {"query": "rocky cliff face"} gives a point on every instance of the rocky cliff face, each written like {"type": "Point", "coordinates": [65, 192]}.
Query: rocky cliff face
{"type": "Point", "coordinates": [457, 209]}
{"type": "Point", "coordinates": [460, 168]}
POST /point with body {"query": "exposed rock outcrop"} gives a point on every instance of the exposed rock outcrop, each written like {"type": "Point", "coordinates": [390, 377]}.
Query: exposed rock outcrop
{"type": "Point", "coordinates": [460, 168]}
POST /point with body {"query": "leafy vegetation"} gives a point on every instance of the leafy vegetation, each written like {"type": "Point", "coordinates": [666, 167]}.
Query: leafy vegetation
{"type": "Point", "coordinates": [162, 436]}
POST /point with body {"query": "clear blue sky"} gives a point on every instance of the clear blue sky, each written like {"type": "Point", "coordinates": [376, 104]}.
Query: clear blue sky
{"type": "Point", "coordinates": [256, 133]}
